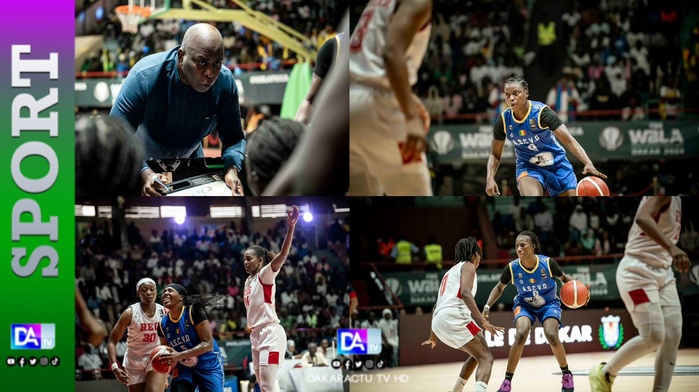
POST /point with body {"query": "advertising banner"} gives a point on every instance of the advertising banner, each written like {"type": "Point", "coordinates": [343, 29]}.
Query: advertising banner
{"type": "Point", "coordinates": [420, 288]}
{"type": "Point", "coordinates": [458, 144]}
{"type": "Point", "coordinates": [253, 88]}
{"type": "Point", "coordinates": [584, 330]}
{"type": "Point", "coordinates": [37, 334]}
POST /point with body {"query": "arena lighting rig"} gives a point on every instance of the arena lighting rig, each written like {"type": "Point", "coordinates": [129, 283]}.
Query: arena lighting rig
{"type": "Point", "coordinates": [36, 226]}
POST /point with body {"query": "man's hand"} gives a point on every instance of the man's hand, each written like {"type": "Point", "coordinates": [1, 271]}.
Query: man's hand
{"type": "Point", "coordinates": [151, 184]}
{"type": "Point", "coordinates": [233, 182]}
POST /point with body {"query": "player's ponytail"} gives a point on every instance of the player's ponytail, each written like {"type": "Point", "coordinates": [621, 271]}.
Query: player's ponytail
{"type": "Point", "coordinates": [262, 253]}
{"type": "Point", "coordinates": [466, 248]}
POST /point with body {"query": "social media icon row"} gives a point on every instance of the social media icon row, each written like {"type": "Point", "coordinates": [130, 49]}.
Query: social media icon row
{"type": "Point", "coordinates": [32, 361]}
{"type": "Point", "coordinates": [358, 364]}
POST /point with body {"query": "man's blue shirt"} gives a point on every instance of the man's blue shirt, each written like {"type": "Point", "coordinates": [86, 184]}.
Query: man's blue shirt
{"type": "Point", "coordinates": [172, 118]}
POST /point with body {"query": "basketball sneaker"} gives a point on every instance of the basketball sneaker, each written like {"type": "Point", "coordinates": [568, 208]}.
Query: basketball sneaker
{"type": "Point", "coordinates": [598, 380]}
{"type": "Point", "coordinates": [505, 386]}
{"type": "Point", "coordinates": [567, 383]}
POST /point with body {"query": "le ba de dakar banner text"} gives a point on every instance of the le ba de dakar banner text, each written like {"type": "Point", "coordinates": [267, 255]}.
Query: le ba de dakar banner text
{"type": "Point", "coordinates": [37, 46]}
{"type": "Point", "coordinates": [457, 144]}
{"type": "Point", "coordinates": [420, 288]}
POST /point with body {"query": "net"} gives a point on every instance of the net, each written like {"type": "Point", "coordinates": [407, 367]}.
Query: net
{"type": "Point", "coordinates": [130, 16]}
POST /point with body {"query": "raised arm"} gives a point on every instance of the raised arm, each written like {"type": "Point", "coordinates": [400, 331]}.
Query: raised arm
{"type": "Point", "coordinates": [291, 219]}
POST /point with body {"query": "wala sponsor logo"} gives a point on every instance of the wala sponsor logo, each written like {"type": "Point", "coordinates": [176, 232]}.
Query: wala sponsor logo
{"type": "Point", "coordinates": [359, 341]}
{"type": "Point", "coordinates": [33, 336]}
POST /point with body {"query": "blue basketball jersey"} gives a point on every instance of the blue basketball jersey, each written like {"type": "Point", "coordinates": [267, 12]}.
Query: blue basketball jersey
{"type": "Point", "coordinates": [182, 335]}
{"type": "Point", "coordinates": [533, 143]}
{"type": "Point", "coordinates": [535, 287]}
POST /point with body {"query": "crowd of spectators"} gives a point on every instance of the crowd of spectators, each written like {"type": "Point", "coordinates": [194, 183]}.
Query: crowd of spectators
{"type": "Point", "coordinates": [625, 57]}
{"type": "Point", "coordinates": [568, 227]}
{"type": "Point", "coordinates": [311, 297]}
{"type": "Point", "coordinates": [245, 49]}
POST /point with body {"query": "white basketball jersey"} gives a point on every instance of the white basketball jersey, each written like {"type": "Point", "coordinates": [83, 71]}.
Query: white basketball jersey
{"type": "Point", "coordinates": [450, 290]}
{"type": "Point", "coordinates": [259, 297]}
{"type": "Point", "coordinates": [369, 38]}
{"type": "Point", "coordinates": [643, 248]}
{"type": "Point", "coordinates": [142, 333]}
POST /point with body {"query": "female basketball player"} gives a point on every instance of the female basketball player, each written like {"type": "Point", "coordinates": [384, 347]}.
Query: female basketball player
{"type": "Point", "coordinates": [266, 334]}
{"type": "Point", "coordinates": [533, 275]}
{"type": "Point", "coordinates": [186, 329]}
{"type": "Point", "coordinates": [535, 130]}
{"type": "Point", "coordinates": [647, 286]}
{"type": "Point", "coordinates": [141, 321]}
{"type": "Point", "coordinates": [457, 307]}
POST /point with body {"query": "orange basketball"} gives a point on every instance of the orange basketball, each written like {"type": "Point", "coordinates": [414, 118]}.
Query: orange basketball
{"type": "Point", "coordinates": [592, 186]}
{"type": "Point", "coordinates": [157, 363]}
{"type": "Point", "coordinates": [574, 294]}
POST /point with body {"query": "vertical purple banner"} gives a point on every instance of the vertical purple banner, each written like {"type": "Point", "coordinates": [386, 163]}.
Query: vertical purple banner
{"type": "Point", "coordinates": [37, 132]}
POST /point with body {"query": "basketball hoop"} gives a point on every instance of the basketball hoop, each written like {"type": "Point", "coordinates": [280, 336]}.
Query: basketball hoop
{"type": "Point", "coordinates": [130, 16]}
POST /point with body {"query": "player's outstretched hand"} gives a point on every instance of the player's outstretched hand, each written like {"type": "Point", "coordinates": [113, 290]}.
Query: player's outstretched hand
{"type": "Point", "coordinates": [491, 187]}
{"type": "Point", "coordinates": [590, 169]}
{"type": "Point", "coordinates": [493, 329]}
{"type": "Point", "coordinates": [292, 216]}
{"type": "Point", "coordinates": [234, 183]}
{"type": "Point", "coordinates": [431, 341]}
{"type": "Point", "coordinates": [680, 259]}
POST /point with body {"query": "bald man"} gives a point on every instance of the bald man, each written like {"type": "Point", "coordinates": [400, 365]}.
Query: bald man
{"type": "Point", "coordinates": [176, 98]}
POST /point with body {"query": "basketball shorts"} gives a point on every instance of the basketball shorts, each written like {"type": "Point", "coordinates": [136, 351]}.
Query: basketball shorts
{"type": "Point", "coordinates": [555, 179]}
{"type": "Point", "coordinates": [137, 366]}
{"type": "Point", "coordinates": [639, 283]}
{"type": "Point", "coordinates": [207, 376]}
{"type": "Point", "coordinates": [454, 327]}
{"type": "Point", "coordinates": [549, 310]}
{"type": "Point", "coordinates": [377, 127]}
{"type": "Point", "coordinates": [268, 345]}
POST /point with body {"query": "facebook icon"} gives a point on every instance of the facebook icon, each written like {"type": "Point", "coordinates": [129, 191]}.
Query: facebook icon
{"type": "Point", "coordinates": [33, 336]}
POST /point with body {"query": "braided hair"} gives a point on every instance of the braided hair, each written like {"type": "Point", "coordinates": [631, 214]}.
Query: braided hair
{"type": "Point", "coordinates": [204, 302]}
{"type": "Point", "coordinates": [268, 149]}
{"type": "Point", "coordinates": [466, 248]}
{"type": "Point", "coordinates": [108, 157]}
{"type": "Point", "coordinates": [518, 80]}
{"type": "Point", "coordinates": [533, 238]}
{"type": "Point", "coordinates": [262, 253]}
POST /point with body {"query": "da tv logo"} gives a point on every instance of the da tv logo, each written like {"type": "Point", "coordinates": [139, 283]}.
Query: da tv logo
{"type": "Point", "coordinates": [33, 336]}
{"type": "Point", "coordinates": [359, 341]}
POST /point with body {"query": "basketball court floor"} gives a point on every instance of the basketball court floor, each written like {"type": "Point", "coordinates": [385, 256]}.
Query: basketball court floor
{"type": "Point", "coordinates": [533, 374]}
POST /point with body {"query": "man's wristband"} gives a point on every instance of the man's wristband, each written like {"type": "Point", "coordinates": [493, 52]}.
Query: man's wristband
{"type": "Point", "coordinates": [486, 307]}
{"type": "Point", "coordinates": [115, 366]}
